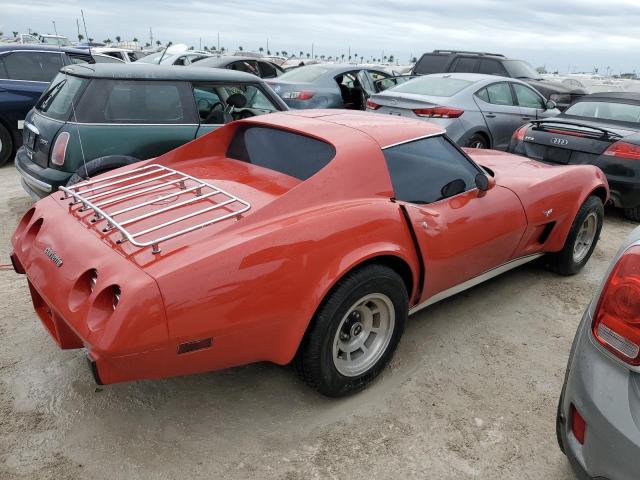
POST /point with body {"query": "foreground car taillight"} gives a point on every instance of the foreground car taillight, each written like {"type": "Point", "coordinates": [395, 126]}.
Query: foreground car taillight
{"type": "Point", "coordinates": [438, 112]}
{"type": "Point", "coordinates": [520, 133]}
{"type": "Point", "coordinates": [59, 150]}
{"type": "Point", "coordinates": [616, 322]}
{"type": "Point", "coordinates": [301, 95]}
{"type": "Point", "coordinates": [623, 150]}
{"type": "Point", "coordinates": [371, 105]}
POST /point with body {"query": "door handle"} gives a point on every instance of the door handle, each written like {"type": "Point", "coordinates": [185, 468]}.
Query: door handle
{"type": "Point", "coordinates": [490, 115]}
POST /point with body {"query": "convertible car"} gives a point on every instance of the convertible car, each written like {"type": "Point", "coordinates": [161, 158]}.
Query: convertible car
{"type": "Point", "coordinates": [304, 236]}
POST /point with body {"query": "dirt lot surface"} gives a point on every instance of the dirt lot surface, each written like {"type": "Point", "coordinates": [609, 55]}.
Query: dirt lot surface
{"type": "Point", "coordinates": [471, 393]}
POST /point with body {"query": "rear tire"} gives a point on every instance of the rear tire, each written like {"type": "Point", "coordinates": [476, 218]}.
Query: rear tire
{"type": "Point", "coordinates": [355, 331]}
{"type": "Point", "coordinates": [100, 165]}
{"type": "Point", "coordinates": [6, 145]}
{"type": "Point", "coordinates": [477, 140]}
{"type": "Point", "coordinates": [632, 213]}
{"type": "Point", "coordinates": [581, 240]}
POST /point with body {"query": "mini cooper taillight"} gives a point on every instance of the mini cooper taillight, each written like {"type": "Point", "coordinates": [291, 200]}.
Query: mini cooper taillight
{"type": "Point", "coordinates": [438, 112]}
{"type": "Point", "coordinates": [616, 322]}
{"type": "Point", "coordinates": [59, 150]}
{"type": "Point", "coordinates": [623, 150]}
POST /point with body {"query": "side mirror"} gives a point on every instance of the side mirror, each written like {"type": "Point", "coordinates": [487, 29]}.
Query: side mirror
{"type": "Point", "coordinates": [551, 105]}
{"type": "Point", "coordinates": [484, 182]}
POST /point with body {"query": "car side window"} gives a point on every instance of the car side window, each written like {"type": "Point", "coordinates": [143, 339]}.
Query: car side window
{"type": "Point", "coordinates": [248, 66]}
{"type": "Point", "coordinates": [500, 94]}
{"type": "Point", "coordinates": [214, 109]}
{"type": "Point", "coordinates": [464, 65]}
{"type": "Point", "coordinates": [419, 170]}
{"type": "Point", "coordinates": [489, 66]}
{"type": "Point", "coordinates": [527, 97]}
{"type": "Point", "coordinates": [267, 70]}
{"type": "Point", "coordinates": [376, 75]}
{"type": "Point", "coordinates": [483, 95]}
{"type": "Point", "coordinates": [137, 102]}
{"type": "Point", "coordinates": [33, 66]}
{"type": "Point", "coordinates": [3, 69]}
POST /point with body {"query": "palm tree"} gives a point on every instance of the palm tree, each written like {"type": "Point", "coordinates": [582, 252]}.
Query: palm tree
{"type": "Point", "coordinates": [222, 49]}
{"type": "Point", "coordinates": [15, 34]}
{"type": "Point", "coordinates": [240, 48]}
{"type": "Point", "coordinates": [90, 39]}
{"type": "Point", "coordinates": [268, 52]}
{"type": "Point", "coordinates": [361, 58]}
{"type": "Point", "coordinates": [108, 40]}
{"type": "Point", "coordinates": [118, 38]}
{"type": "Point", "coordinates": [147, 45]}
{"type": "Point", "coordinates": [322, 57]}
{"type": "Point", "coordinates": [80, 37]}
{"type": "Point", "coordinates": [261, 49]}
{"type": "Point", "coordinates": [301, 54]}
{"type": "Point", "coordinates": [284, 54]}
{"type": "Point", "coordinates": [135, 39]}
{"type": "Point", "coordinates": [277, 54]}
{"type": "Point", "coordinates": [349, 57]}
{"type": "Point", "coordinates": [158, 42]}
{"type": "Point", "coordinates": [342, 57]}
{"type": "Point", "coordinates": [391, 58]}
{"type": "Point", "coordinates": [308, 55]}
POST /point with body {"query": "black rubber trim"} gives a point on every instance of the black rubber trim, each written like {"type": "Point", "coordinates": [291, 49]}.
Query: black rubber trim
{"type": "Point", "coordinates": [416, 245]}
{"type": "Point", "coordinates": [94, 370]}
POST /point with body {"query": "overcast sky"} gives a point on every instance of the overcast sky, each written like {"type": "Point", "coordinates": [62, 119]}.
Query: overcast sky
{"type": "Point", "coordinates": [566, 35]}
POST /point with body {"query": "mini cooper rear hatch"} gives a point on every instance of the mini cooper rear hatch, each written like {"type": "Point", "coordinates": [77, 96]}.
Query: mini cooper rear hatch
{"type": "Point", "coordinates": [94, 118]}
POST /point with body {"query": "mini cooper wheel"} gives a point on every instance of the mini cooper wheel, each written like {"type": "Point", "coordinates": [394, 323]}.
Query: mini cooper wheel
{"type": "Point", "coordinates": [355, 331]}
{"type": "Point", "coordinates": [581, 240]}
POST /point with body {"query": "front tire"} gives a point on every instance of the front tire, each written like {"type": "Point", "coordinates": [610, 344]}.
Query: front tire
{"type": "Point", "coordinates": [355, 331]}
{"type": "Point", "coordinates": [581, 240]}
{"type": "Point", "coordinates": [477, 140]}
{"type": "Point", "coordinates": [6, 145]}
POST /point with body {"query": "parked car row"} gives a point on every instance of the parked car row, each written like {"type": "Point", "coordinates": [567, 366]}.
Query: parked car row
{"type": "Point", "coordinates": [331, 218]}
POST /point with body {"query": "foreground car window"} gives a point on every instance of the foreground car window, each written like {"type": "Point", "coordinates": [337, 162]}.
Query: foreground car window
{"type": "Point", "coordinates": [619, 112]}
{"type": "Point", "coordinates": [421, 168]}
{"type": "Point", "coordinates": [124, 101]}
{"type": "Point", "coordinates": [55, 102]}
{"type": "Point", "coordinates": [290, 153]}
{"type": "Point", "coordinates": [433, 86]}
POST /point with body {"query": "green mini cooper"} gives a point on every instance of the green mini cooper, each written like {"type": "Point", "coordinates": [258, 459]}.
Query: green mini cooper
{"type": "Point", "coordinates": [94, 118]}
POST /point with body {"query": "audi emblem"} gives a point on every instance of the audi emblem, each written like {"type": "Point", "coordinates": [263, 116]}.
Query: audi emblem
{"type": "Point", "coordinates": [559, 141]}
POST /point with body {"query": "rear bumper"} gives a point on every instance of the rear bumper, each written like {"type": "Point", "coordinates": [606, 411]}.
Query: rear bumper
{"type": "Point", "coordinates": [607, 395]}
{"type": "Point", "coordinates": [36, 180]}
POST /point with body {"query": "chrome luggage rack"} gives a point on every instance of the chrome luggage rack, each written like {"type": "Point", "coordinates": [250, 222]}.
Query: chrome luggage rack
{"type": "Point", "coordinates": [103, 195]}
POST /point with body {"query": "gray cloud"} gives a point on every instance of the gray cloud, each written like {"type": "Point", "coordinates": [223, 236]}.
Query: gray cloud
{"type": "Point", "coordinates": [572, 34]}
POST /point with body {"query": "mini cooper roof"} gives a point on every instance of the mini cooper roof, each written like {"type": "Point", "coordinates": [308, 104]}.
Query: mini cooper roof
{"type": "Point", "coordinates": [12, 47]}
{"type": "Point", "coordinates": [142, 71]}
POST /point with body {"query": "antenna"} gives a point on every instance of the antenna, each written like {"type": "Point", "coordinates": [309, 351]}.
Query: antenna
{"type": "Point", "coordinates": [85, 31]}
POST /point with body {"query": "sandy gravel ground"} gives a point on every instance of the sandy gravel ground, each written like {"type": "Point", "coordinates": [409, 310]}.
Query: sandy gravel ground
{"type": "Point", "coordinates": [471, 393]}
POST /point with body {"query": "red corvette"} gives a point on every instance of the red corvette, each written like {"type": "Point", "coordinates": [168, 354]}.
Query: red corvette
{"type": "Point", "coordinates": [299, 236]}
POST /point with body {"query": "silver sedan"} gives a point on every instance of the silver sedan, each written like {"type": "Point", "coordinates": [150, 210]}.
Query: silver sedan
{"type": "Point", "coordinates": [480, 111]}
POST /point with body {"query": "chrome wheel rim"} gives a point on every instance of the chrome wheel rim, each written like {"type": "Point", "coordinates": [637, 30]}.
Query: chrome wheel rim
{"type": "Point", "coordinates": [586, 236]}
{"type": "Point", "coordinates": [363, 335]}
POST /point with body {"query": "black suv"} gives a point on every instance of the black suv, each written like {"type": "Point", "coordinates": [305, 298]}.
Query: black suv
{"type": "Point", "coordinates": [444, 61]}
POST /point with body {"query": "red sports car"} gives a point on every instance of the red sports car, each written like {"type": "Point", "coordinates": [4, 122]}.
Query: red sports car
{"type": "Point", "coordinates": [300, 236]}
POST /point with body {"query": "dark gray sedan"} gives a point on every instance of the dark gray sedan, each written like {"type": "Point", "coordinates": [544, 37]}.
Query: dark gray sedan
{"type": "Point", "coordinates": [598, 422]}
{"type": "Point", "coordinates": [256, 66]}
{"type": "Point", "coordinates": [327, 86]}
{"type": "Point", "coordinates": [479, 111]}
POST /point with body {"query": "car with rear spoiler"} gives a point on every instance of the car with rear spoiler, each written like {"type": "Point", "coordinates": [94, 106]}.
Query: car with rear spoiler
{"type": "Point", "coordinates": [601, 129]}
{"type": "Point", "coordinates": [301, 236]}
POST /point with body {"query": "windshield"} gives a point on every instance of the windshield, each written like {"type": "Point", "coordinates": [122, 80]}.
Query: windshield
{"type": "Point", "coordinates": [304, 74]}
{"type": "Point", "coordinates": [56, 101]}
{"type": "Point", "coordinates": [520, 69]}
{"type": "Point", "coordinates": [617, 112]}
{"type": "Point", "coordinates": [62, 41]}
{"type": "Point", "coordinates": [153, 58]}
{"type": "Point", "coordinates": [437, 86]}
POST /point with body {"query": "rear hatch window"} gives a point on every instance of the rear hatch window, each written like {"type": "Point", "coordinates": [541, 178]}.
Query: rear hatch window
{"type": "Point", "coordinates": [57, 100]}
{"type": "Point", "coordinates": [433, 86]}
{"type": "Point", "coordinates": [289, 153]}
{"type": "Point", "coordinates": [431, 63]}
{"type": "Point", "coordinates": [617, 112]}
{"type": "Point", "coordinates": [307, 74]}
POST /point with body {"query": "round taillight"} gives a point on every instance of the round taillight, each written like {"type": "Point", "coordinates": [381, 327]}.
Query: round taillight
{"type": "Point", "coordinates": [624, 300]}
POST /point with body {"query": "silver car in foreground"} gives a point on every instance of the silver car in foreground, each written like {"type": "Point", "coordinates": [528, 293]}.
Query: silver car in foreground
{"type": "Point", "coordinates": [480, 111]}
{"type": "Point", "coordinates": [598, 421]}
